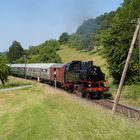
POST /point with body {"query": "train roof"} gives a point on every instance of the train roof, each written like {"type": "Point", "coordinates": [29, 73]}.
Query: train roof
{"type": "Point", "coordinates": [57, 65]}
{"type": "Point", "coordinates": [34, 65]}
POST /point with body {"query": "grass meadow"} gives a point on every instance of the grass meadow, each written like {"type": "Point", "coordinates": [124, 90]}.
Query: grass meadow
{"type": "Point", "coordinates": [43, 113]}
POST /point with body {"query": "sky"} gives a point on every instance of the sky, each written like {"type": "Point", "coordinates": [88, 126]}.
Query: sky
{"type": "Point", "coordinates": [32, 22]}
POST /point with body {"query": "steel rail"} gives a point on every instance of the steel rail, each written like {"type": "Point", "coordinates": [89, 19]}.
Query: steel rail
{"type": "Point", "coordinates": [126, 110]}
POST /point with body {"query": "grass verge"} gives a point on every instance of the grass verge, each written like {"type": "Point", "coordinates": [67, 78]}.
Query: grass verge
{"type": "Point", "coordinates": [43, 113]}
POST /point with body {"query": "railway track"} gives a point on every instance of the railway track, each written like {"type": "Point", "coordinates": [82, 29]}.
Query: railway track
{"type": "Point", "coordinates": [125, 110]}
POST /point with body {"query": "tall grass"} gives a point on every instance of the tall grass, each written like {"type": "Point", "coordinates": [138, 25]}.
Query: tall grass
{"type": "Point", "coordinates": [131, 95]}
{"type": "Point", "coordinates": [43, 113]}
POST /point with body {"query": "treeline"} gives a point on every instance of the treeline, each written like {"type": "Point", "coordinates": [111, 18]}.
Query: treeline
{"type": "Point", "coordinates": [117, 39]}
{"type": "Point", "coordinates": [43, 53]}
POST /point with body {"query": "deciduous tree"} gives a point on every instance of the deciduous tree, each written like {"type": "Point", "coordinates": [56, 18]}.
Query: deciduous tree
{"type": "Point", "coordinates": [4, 70]}
{"type": "Point", "coordinates": [15, 52]}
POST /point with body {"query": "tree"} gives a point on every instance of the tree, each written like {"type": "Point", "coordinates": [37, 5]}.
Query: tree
{"type": "Point", "coordinates": [4, 70]}
{"type": "Point", "coordinates": [32, 50]}
{"type": "Point", "coordinates": [44, 53]}
{"type": "Point", "coordinates": [64, 38]}
{"type": "Point", "coordinates": [53, 44]}
{"type": "Point", "coordinates": [48, 55]}
{"type": "Point", "coordinates": [15, 52]}
{"type": "Point", "coordinates": [75, 41]}
{"type": "Point", "coordinates": [117, 40]}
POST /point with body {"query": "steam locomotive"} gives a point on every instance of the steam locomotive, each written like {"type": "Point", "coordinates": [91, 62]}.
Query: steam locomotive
{"type": "Point", "coordinates": [77, 77]}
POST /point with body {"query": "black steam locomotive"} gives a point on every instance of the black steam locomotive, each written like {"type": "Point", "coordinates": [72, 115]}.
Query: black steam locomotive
{"type": "Point", "coordinates": [85, 78]}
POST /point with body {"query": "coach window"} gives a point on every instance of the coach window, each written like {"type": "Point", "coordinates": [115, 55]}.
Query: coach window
{"type": "Point", "coordinates": [44, 70]}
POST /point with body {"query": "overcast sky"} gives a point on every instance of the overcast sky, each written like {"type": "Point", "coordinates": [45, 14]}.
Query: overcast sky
{"type": "Point", "coordinates": [31, 22]}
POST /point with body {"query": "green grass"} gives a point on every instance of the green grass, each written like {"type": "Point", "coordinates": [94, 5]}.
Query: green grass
{"type": "Point", "coordinates": [130, 94]}
{"type": "Point", "coordinates": [43, 113]}
{"type": "Point", "coordinates": [14, 83]}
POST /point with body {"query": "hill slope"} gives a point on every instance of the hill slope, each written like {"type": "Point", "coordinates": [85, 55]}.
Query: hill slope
{"type": "Point", "coordinates": [69, 54]}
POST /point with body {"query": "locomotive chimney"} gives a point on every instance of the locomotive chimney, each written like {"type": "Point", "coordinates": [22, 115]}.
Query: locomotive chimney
{"type": "Point", "coordinates": [90, 63]}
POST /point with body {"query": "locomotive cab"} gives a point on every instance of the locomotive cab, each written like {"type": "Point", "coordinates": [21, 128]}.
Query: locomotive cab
{"type": "Point", "coordinates": [72, 72]}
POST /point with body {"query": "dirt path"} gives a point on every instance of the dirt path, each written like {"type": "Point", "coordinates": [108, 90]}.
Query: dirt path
{"type": "Point", "coordinates": [15, 88]}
